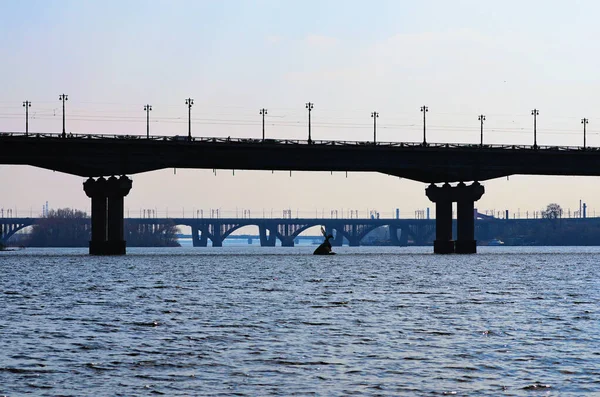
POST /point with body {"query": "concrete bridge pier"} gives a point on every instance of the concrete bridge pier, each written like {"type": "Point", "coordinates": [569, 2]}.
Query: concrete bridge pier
{"type": "Point", "coordinates": [285, 233]}
{"type": "Point", "coordinates": [287, 241]}
{"type": "Point", "coordinates": [400, 241]}
{"type": "Point", "coordinates": [195, 237]}
{"type": "Point", "coordinates": [442, 197]}
{"type": "Point", "coordinates": [338, 236]}
{"type": "Point", "coordinates": [107, 214]}
{"type": "Point", "coordinates": [354, 241]}
{"type": "Point", "coordinates": [266, 241]}
{"type": "Point", "coordinates": [403, 237]}
{"type": "Point", "coordinates": [465, 225]}
{"type": "Point", "coordinates": [199, 236]}
{"type": "Point", "coordinates": [352, 234]}
{"type": "Point", "coordinates": [464, 196]}
{"type": "Point", "coordinates": [215, 235]}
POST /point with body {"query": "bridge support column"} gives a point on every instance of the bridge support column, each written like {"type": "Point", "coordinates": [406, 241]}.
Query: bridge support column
{"type": "Point", "coordinates": [266, 241]}
{"type": "Point", "coordinates": [404, 237]}
{"type": "Point", "coordinates": [338, 236]}
{"type": "Point", "coordinates": [107, 214]}
{"type": "Point", "coordinates": [215, 235]}
{"type": "Point", "coordinates": [354, 242]}
{"type": "Point", "coordinates": [443, 197]}
{"type": "Point", "coordinates": [287, 241]}
{"type": "Point", "coordinates": [465, 225]}
{"type": "Point", "coordinates": [204, 236]}
{"type": "Point", "coordinates": [338, 239]}
{"type": "Point", "coordinates": [285, 234]}
{"type": "Point", "coordinates": [399, 241]}
{"type": "Point", "coordinates": [196, 237]}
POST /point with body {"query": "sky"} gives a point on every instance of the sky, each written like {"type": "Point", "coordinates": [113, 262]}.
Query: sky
{"type": "Point", "coordinates": [349, 58]}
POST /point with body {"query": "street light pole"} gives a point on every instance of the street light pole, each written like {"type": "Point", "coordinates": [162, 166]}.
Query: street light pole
{"type": "Point", "coordinates": [26, 105]}
{"type": "Point", "coordinates": [535, 113]}
{"type": "Point", "coordinates": [584, 121]}
{"type": "Point", "coordinates": [309, 106]}
{"type": "Point", "coordinates": [263, 112]}
{"type": "Point", "coordinates": [424, 109]}
{"type": "Point", "coordinates": [375, 115]}
{"type": "Point", "coordinates": [63, 98]}
{"type": "Point", "coordinates": [189, 102]}
{"type": "Point", "coordinates": [147, 109]}
{"type": "Point", "coordinates": [481, 118]}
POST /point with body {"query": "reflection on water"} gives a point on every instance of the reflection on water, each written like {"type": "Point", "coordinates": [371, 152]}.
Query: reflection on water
{"type": "Point", "coordinates": [280, 321]}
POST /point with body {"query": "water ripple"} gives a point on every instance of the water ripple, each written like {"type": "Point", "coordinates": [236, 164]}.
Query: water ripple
{"type": "Point", "coordinates": [250, 322]}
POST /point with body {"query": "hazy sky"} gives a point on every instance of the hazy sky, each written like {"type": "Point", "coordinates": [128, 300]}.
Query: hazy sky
{"type": "Point", "coordinates": [460, 58]}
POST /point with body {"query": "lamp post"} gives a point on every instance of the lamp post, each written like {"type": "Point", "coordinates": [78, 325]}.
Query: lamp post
{"type": "Point", "coordinates": [481, 118]}
{"type": "Point", "coordinates": [63, 98]}
{"type": "Point", "coordinates": [147, 109]}
{"type": "Point", "coordinates": [309, 106]}
{"type": "Point", "coordinates": [263, 112]}
{"type": "Point", "coordinates": [374, 115]}
{"type": "Point", "coordinates": [26, 105]}
{"type": "Point", "coordinates": [584, 121]}
{"type": "Point", "coordinates": [424, 109]}
{"type": "Point", "coordinates": [189, 102]}
{"type": "Point", "coordinates": [535, 113]}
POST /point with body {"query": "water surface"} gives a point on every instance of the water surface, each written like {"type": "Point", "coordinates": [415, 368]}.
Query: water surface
{"type": "Point", "coordinates": [252, 321]}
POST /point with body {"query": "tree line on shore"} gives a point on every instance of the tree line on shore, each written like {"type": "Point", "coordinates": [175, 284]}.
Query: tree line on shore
{"type": "Point", "coordinates": [66, 227]}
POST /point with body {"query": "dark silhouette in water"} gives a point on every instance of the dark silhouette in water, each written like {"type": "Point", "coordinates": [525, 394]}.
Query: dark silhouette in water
{"type": "Point", "coordinates": [325, 247]}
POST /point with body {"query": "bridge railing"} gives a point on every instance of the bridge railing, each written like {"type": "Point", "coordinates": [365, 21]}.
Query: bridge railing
{"type": "Point", "coordinates": [229, 140]}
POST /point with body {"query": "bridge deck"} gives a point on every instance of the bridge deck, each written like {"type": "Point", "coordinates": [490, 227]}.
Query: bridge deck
{"type": "Point", "coordinates": [90, 155]}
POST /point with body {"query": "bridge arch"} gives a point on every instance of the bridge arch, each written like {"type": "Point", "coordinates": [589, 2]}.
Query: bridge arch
{"type": "Point", "coordinates": [354, 233]}
{"type": "Point", "coordinates": [238, 226]}
{"type": "Point", "coordinates": [10, 226]}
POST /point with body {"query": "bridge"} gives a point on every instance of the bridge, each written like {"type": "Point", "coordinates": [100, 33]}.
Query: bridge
{"type": "Point", "coordinates": [401, 232]}
{"type": "Point", "coordinates": [98, 156]}
{"type": "Point", "coordinates": [286, 230]}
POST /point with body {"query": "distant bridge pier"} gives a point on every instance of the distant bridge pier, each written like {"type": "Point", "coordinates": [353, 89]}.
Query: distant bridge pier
{"type": "Point", "coordinates": [215, 233]}
{"type": "Point", "coordinates": [195, 237]}
{"type": "Point", "coordinates": [266, 240]}
{"type": "Point", "coordinates": [353, 235]}
{"type": "Point", "coordinates": [338, 236]}
{"type": "Point", "coordinates": [464, 196]}
{"type": "Point", "coordinates": [399, 241]}
{"type": "Point", "coordinates": [199, 236]}
{"type": "Point", "coordinates": [286, 235]}
{"type": "Point", "coordinates": [338, 239]}
{"type": "Point", "coordinates": [107, 214]}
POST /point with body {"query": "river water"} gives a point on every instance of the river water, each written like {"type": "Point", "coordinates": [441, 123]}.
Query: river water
{"type": "Point", "coordinates": [251, 321]}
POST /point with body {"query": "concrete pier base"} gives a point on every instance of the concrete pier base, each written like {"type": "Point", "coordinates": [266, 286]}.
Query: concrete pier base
{"type": "Point", "coordinates": [465, 197]}
{"type": "Point", "coordinates": [443, 247]}
{"type": "Point", "coordinates": [108, 247]}
{"type": "Point", "coordinates": [465, 246]}
{"type": "Point", "coordinates": [107, 214]}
